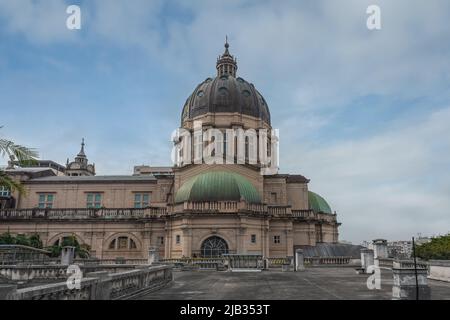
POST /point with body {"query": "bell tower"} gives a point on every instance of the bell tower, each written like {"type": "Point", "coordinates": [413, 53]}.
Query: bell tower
{"type": "Point", "coordinates": [80, 167]}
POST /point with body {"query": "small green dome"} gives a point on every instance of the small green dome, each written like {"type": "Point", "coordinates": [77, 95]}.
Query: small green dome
{"type": "Point", "coordinates": [317, 203]}
{"type": "Point", "coordinates": [217, 186]}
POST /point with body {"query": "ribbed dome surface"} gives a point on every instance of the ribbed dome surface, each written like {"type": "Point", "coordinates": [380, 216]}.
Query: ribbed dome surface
{"type": "Point", "coordinates": [226, 93]}
{"type": "Point", "coordinates": [217, 186]}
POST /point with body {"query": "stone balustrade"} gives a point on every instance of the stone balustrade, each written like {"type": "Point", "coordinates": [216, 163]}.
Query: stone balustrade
{"type": "Point", "coordinates": [409, 264]}
{"type": "Point", "coordinates": [54, 272]}
{"type": "Point", "coordinates": [271, 262]}
{"type": "Point", "coordinates": [311, 261]}
{"type": "Point", "coordinates": [130, 283]}
{"type": "Point", "coordinates": [239, 262]}
{"type": "Point", "coordinates": [38, 272]}
{"type": "Point", "coordinates": [80, 213]}
{"type": "Point", "coordinates": [386, 262]}
{"type": "Point", "coordinates": [159, 212]}
{"type": "Point", "coordinates": [326, 217]}
{"type": "Point", "coordinates": [231, 261]}
{"type": "Point", "coordinates": [256, 207]}
{"type": "Point", "coordinates": [327, 261]}
{"type": "Point", "coordinates": [210, 206]}
{"type": "Point", "coordinates": [279, 210]}
{"type": "Point", "coordinates": [192, 261]}
{"type": "Point", "coordinates": [311, 215]}
{"type": "Point", "coordinates": [220, 206]}
{"type": "Point", "coordinates": [303, 214]}
{"type": "Point", "coordinates": [121, 261]}
{"type": "Point", "coordinates": [97, 286]}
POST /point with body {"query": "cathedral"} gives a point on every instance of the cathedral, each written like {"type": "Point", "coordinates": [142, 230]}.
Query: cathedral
{"type": "Point", "coordinates": [189, 209]}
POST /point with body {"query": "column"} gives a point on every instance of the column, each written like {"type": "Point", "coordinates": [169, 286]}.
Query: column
{"type": "Point", "coordinates": [366, 259]}
{"type": "Point", "coordinates": [299, 260]}
{"type": "Point", "coordinates": [187, 242]}
{"type": "Point", "coordinates": [289, 242]}
{"type": "Point", "coordinates": [153, 255]}
{"type": "Point", "coordinates": [168, 241]}
{"type": "Point", "coordinates": [67, 255]}
{"type": "Point", "coordinates": [380, 248]}
{"type": "Point", "coordinates": [241, 233]}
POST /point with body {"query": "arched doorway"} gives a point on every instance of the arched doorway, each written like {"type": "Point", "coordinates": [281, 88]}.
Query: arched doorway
{"type": "Point", "coordinates": [213, 247]}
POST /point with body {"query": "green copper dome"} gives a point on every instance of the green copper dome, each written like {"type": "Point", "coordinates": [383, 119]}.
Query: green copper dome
{"type": "Point", "coordinates": [317, 203]}
{"type": "Point", "coordinates": [217, 186]}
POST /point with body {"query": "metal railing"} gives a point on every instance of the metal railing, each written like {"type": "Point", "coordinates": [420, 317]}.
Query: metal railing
{"type": "Point", "coordinates": [12, 254]}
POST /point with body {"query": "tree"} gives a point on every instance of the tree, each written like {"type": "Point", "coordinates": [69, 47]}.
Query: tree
{"type": "Point", "coordinates": [23, 155]}
{"type": "Point", "coordinates": [438, 248]}
{"type": "Point", "coordinates": [81, 250]}
{"type": "Point", "coordinates": [31, 241]}
{"type": "Point", "coordinates": [35, 241]}
{"type": "Point", "coordinates": [6, 238]}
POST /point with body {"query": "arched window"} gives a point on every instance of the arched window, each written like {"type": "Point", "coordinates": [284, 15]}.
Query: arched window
{"type": "Point", "coordinates": [122, 243]}
{"type": "Point", "coordinates": [112, 245]}
{"type": "Point", "coordinates": [66, 241]}
{"type": "Point", "coordinates": [214, 247]}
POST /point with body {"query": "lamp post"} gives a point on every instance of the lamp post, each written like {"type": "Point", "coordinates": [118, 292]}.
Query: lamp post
{"type": "Point", "coordinates": [415, 268]}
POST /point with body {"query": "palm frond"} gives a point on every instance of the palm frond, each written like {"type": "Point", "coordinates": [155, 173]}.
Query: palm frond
{"type": "Point", "coordinates": [24, 155]}
{"type": "Point", "coordinates": [10, 183]}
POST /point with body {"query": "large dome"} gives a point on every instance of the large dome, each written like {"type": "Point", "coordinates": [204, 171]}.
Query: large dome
{"type": "Point", "coordinates": [217, 186]}
{"type": "Point", "coordinates": [226, 93]}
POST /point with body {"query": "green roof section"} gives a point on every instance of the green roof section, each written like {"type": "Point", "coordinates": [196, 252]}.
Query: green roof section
{"type": "Point", "coordinates": [318, 204]}
{"type": "Point", "coordinates": [217, 186]}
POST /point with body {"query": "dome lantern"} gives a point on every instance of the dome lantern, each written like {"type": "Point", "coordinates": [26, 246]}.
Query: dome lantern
{"type": "Point", "coordinates": [226, 64]}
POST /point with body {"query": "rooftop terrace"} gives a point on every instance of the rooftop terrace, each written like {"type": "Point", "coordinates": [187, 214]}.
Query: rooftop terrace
{"type": "Point", "coordinates": [313, 283]}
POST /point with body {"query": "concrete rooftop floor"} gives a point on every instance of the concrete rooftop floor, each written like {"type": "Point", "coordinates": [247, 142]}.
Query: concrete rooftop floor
{"type": "Point", "coordinates": [313, 283]}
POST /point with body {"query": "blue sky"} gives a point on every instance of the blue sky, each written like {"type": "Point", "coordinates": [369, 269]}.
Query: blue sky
{"type": "Point", "coordinates": [364, 114]}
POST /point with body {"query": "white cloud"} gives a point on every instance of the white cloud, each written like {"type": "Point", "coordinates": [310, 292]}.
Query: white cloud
{"type": "Point", "coordinates": [41, 22]}
{"type": "Point", "coordinates": [393, 184]}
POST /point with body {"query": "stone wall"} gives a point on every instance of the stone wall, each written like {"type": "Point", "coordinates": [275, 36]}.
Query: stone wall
{"type": "Point", "coordinates": [114, 194]}
{"type": "Point", "coordinates": [96, 286]}
{"type": "Point", "coordinates": [439, 270]}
